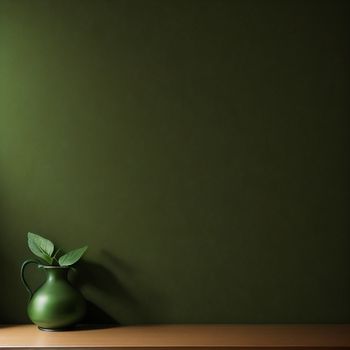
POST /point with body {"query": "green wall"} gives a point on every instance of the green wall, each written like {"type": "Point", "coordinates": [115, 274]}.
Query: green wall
{"type": "Point", "coordinates": [198, 147]}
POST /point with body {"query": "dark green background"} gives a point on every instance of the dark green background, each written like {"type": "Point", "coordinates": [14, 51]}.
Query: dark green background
{"type": "Point", "coordinates": [198, 147]}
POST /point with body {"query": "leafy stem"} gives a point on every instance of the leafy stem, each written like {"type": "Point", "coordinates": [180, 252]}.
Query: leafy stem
{"type": "Point", "coordinates": [44, 248]}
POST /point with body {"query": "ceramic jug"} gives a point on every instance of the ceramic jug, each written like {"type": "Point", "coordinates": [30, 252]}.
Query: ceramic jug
{"type": "Point", "coordinates": [56, 304]}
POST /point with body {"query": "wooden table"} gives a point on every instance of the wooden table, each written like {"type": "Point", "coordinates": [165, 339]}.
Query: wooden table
{"type": "Point", "coordinates": [184, 337]}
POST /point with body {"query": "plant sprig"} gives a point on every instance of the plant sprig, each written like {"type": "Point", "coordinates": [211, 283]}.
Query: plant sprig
{"type": "Point", "coordinates": [45, 250]}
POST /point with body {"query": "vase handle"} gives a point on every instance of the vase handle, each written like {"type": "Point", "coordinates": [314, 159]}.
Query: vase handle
{"type": "Point", "coordinates": [27, 262]}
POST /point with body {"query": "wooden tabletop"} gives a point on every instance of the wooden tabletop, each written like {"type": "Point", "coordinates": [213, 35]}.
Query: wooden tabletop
{"type": "Point", "coordinates": [180, 337]}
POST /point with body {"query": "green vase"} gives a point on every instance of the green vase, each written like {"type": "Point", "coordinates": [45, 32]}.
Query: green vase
{"type": "Point", "coordinates": [56, 304]}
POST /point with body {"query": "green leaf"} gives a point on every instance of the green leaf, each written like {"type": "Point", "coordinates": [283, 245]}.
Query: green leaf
{"type": "Point", "coordinates": [72, 257]}
{"type": "Point", "coordinates": [41, 247]}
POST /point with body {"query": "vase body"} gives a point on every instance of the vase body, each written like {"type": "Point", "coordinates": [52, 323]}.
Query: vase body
{"type": "Point", "coordinates": [56, 304]}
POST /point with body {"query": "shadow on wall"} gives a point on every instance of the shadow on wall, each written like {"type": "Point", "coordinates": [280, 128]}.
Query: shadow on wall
{"type": "Point", "coordinates": [91, 274]}
{"type": "Point", "coordinates": [99, 280]}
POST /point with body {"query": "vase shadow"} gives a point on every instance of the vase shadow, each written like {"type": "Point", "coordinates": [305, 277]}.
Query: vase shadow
{"type": "Point", "coordinates": [91, 326]}
{"type": "Point", "coordinates": [95, 315]}
{"type": "Point", "coordinates": [140, 310]}
{"type": "Point", "coordinates": [99, 278]}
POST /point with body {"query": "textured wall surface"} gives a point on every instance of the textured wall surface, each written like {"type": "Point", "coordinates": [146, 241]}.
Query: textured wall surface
{"type": "Point", "coordinates": [198, 147]}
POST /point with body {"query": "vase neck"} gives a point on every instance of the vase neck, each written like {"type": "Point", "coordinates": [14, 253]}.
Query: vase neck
{"type": "Point", "coordinates": [54, 274]}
